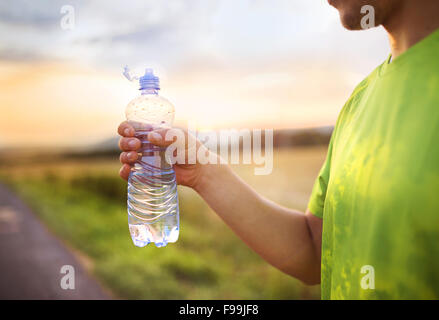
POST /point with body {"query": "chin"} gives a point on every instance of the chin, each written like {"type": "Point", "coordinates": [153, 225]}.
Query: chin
{"type": "Point", "coordinates": [350, 12]}
{"type": "Point", "coordinates": [350, 16]}
{"type": "Point", "coordinates": [350, 23]}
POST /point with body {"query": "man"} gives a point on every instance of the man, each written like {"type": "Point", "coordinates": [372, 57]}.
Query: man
{"type": "Point", "coordinates": [377, 195]}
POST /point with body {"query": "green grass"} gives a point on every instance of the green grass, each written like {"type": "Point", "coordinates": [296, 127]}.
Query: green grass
{"type": "Point", "coordinates": [86, 208]}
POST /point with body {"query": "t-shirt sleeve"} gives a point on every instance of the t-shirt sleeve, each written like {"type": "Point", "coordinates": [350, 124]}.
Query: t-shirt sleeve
{"type": "Point", "coordinates": [318, 194]}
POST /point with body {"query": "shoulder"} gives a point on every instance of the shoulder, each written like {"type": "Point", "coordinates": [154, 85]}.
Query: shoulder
{"type": "Point", "coordinates": [358, 93]}
{"type": "Point", "coordinates": [354, 99]}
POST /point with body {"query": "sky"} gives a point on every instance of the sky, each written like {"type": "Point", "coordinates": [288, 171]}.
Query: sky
{"type": "Point", "coordinates": [222, 63]}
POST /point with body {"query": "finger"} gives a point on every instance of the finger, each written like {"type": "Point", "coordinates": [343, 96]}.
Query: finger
{"type": "Point", "coordinates": [129, 144]}
{"type": "Point", "coordinates": [164, 137]}
{"type": "Point", "coordinates": [126, 130]}
{"type": "Point", "coordinates": [128, 157]}
{"type": "Point", "coordinates": [125, 171]}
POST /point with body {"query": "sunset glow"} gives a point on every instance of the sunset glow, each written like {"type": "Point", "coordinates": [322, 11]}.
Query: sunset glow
{"type": "Point", "coordinates": [217, 64]}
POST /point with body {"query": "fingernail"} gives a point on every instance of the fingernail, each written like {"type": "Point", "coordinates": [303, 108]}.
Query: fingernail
{"type": "Point", "coordinates": [131, 155]}
{"type": "Point", "coordinates": [127, 131]}
{"type": "Point", "coordinates": [155, 136]}
{"type": "Point", "coordinates": [132, 143]}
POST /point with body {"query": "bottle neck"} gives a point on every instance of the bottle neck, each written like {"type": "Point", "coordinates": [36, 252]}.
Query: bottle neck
{"type": "Point", "coordinates": [149, 91]}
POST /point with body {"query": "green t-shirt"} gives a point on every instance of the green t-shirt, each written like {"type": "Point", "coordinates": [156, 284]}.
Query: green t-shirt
{"type": "Point", "coordinates": [378, 191]}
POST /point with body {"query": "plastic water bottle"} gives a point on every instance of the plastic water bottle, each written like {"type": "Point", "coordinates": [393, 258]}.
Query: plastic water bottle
{"type": "Point", "coordinates": [153, 213]}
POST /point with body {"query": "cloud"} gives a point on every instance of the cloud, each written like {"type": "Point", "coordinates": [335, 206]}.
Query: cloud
{"type": "Point", "coordinates": [15, 54]}
{"type": "Point", "coordinates": [37, 14]}
{"type": "Point", "coordinates": [111, 33]}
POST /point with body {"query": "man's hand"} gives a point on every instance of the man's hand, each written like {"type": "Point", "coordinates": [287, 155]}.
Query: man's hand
{"type": "Point", "coordinates": [129, 145]}
{"type": "Point", "coordinates": [187, 174]}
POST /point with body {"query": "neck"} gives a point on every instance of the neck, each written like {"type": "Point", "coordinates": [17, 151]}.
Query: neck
{"type": "Point", "coordinates": [412, 21]}
{"type": "Point", "coordinates": [149, 91]}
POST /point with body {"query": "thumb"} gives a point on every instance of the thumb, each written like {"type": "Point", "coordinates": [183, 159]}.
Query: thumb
{"type": "Point", "coordinates": [162, 137]}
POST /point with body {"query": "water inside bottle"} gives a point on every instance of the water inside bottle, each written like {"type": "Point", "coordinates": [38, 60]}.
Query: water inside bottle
{"type": "Point", "coordinates": [152, 197]}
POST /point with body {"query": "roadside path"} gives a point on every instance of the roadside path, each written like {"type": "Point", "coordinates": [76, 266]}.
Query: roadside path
{"type": "Point", "coordinates": [31, 258]}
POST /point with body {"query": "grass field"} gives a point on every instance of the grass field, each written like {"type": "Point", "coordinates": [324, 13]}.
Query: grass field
{"type": "Point", "coordinates": [84, 203]}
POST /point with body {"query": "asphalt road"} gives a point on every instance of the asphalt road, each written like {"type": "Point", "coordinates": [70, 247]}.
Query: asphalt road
{"type": "Point", "coordinates": [31, 258]}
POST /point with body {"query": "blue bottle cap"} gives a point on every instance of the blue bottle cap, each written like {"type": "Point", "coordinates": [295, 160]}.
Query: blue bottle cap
{"type": "Point", "coordinates": [149, 80]}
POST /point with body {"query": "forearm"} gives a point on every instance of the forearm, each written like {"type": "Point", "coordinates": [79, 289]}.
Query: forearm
{"type": "Point", "coordinates": [279, 235]}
